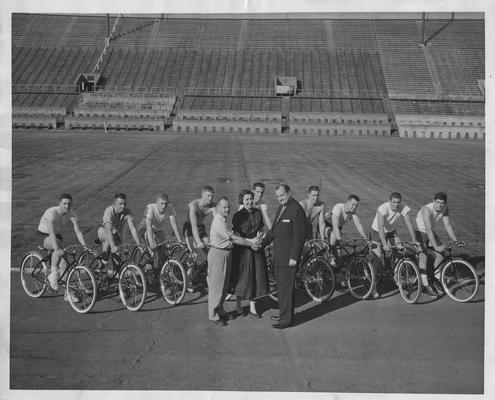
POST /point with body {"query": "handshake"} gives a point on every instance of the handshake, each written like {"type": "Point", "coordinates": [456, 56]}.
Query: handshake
{"type": "Point", "coordinates": [256, 241]}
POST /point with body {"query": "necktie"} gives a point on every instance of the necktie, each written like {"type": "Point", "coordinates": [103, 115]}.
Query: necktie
{"type": "Point", "coordinates": [281, 212]}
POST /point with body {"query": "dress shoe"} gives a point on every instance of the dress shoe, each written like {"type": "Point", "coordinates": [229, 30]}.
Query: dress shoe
{"type": "Point", "coordinates": [281, 326]}
{"type": "Point", "coordinates": [220, 322]}
{"type": "Point", "coordinates": [275, 318]}
{"type": "Point", "coordinates": [255, 314]}
{"type": "Point", "coordinates": [229, 316]}
{"type": "Point", "coordinates": [240, 313]}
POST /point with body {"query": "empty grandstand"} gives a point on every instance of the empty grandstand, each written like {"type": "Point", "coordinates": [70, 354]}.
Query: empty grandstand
{"type": "Point", "coordinates": [403, 75]}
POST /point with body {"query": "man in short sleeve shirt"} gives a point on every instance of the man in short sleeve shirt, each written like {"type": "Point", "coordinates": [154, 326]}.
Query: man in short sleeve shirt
{"type": "Point", "coordinates": [155, 220]}
{"type": "Point", "coordinates": [426, 219]}
{"type": "Point", "coordinates": [383, 232]}
{"type": "Point", "coordinates": [52, 223]}
{"type": "Point", "coordinates": [110, 233]}
{"type": "Point", "coordinates": [341, 214]}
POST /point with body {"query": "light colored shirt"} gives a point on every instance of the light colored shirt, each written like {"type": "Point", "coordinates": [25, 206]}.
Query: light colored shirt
{"type": "Point", "coordinates": [390, 217]}
{"type": "Point", "coordinates": [219, 233]}
{"type": "Point", "coordinates": [60, 221]}
{"type": "Point", "coordinates": [117, 220]}
{"type": "Point", "coordinates": [435, 216]}
{"type": "Point", "coordinates": [158, 221]}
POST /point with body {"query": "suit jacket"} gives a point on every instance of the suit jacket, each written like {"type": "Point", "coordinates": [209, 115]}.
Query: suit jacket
{"type": "Point", "coordinates": [288, 233]}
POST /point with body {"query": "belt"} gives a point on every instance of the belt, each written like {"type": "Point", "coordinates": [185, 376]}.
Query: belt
{"type": "Point", "coordinates": [220, 248]}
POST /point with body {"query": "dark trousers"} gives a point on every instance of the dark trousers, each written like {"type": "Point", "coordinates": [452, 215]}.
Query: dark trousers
{"type": "Point", "coordinates": [285, 277]}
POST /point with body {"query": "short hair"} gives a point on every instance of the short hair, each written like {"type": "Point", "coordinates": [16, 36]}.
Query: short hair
{"type": "Point", "coordinates": [283, 186]}
{"type": "Point", "coordinates": [65, 196]}
{"type": "Point", "coordinates": [440, 196]}
{"type": "Point", "coordinates": [244, 192]}
{"type": "Point", "coordinates": [163, 196]}
{"type": "Point", "coordinates": [120, 196]}
{"type": "Point", "coordinates": [208, 188]}
{"type": "Point", "coordinates": [223, 198]}
{"type": "Point", "coordinates": [313, 189]}
{"type": "Point", "coordinates": [395, 195]}
{"type": "Point", "coordinates": [353, 197]}
{"type": "Point", "coordinates": [258, 184]}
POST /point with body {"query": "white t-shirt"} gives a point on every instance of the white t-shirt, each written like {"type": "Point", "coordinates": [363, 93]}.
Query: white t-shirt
{"type": "Point", "coordinates": [435, 216]}
{"type": "Point", "coordinates": [110, 216]}
{"type": "Point", "coordinates": [390, 217]}
{"type": "Point", "coordinates": [158, 221]}
{"type": "Point", "coordinates": [60, 221]}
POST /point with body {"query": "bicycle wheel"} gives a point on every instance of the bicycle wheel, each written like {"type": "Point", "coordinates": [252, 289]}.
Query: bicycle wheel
{"type": "Point", "coordinates": [459, 280]}
{"type": "Point", "coordinates": [86, 258]}
{"type": "Point", "coordinates": [272, 284]}
{"type": "Point", "coordinates": [360, 277]}
{"type": "Point", "coordinates": [408, 281]}
{"type": "Point", "coordinates": [34, 273]}
{"type": "Point", "coordinates": [173, 282]}
{"type": "Point", "coordinates": [319, 279]}
{"type": "Point", "coordinates": [132, 287]}
{"type": "Point", "coordinates": [81, 289]}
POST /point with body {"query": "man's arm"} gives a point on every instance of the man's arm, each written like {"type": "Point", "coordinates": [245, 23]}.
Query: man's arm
{"type": "Point", "coordinates": [79, 234]}
{"type": "Point", "coordinates": [335, 225]}
{"type": "Point", "coordinates": [174, 228]}
{"type": "Point", "coordinates": [149, 233]}
{"type": "Point", "coordinates": [448, 228]}
{"type": "Point", "coordinates": [359, 227]}
{"type": "Point", "coordinates": [321, 222]}
{"type": "Point", "coordinates": [132, 227]}
{"type": "Point", "coordinates": [381, 232]}
{"type": "Point", "coordinates": [266, 217]}
{"type": "Point", "coordinates": [425, 214]}
{"type": "Point", "coordinates": [194, 223]}
{"type": "Point", "coordinates": [410, 228]}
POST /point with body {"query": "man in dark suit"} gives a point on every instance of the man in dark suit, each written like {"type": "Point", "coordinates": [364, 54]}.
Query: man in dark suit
{"type": "Point", "coordinates": [288, 234]}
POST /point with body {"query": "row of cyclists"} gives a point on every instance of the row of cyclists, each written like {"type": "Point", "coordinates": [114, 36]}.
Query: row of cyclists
{"type": "Point", "coordinates": [321, 223]}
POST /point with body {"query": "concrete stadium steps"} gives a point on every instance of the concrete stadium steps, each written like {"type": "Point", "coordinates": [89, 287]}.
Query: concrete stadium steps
{"type": "Point", "coordinates": [459, 70]}
{"type": "Point", "coordinates": [38, 29]}
{"type": "Point", "coordinates": [460, 34]}
{"type": "Point", "coordinates": [371, 34]}
{"type": "Point", "coordinates": [406, 72]}
{"type": "Point", "coordinates": [228, 103]}
{"type": "Point", "coordinates": [336, 105]}
{"type": "Point", "coordinates": [49, 65]}
{"type": "Point", "coordinates": [42, 100]}
{"type": "Point", "coordinates": [438, 107]}
{"type": "Point", "coordinates": [318, 70]}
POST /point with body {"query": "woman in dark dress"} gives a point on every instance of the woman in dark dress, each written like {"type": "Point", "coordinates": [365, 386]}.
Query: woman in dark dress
{"type": "Point", "coordinates": [249, 274]}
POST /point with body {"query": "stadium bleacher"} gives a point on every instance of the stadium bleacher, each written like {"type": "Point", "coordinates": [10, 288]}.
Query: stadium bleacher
{"type": "Point", "coordinates": [229, 64]}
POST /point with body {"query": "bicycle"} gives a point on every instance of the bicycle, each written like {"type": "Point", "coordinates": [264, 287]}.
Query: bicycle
{"type": "Point", "coordinates": [458, 277]}
{"type": "Point", "coordinates": [196, 273]}
{"type": "Point", "coordinates": [313, 272]}
{"type": "Point", "coordinates": [352, 269]}
{"type": "Point", "coordinates": [79, 281]}
{"type": "Point", "coordinates": [171, 276]}
{"type": "Point", "coordinates": [401, 269]}
{"type": "Point", "coordinates": [128, 279]}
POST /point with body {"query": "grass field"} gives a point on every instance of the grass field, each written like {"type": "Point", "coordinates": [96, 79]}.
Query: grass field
{"type": "Point", "coordinates": [341, 345]}
{"type": "Point", "coordinates": [92, 167]}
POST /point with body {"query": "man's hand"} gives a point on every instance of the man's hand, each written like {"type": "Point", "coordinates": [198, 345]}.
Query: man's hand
{"type": "Point", "coordinates": [386, 247]}
{"type": "Point", "coordinates": [153, 245]}
{"type": "Point", "coordinates": [292, 263]}
{"type": "Point", "coordinates": [440, 248]}
{"type": "Point", "coordinates": [59, 252]}
{"type": "Point", "coordinates": [114, 249]}
{"type": "Point", "coordinates": [255, 247]}
{"type": "Point", "coordinates": [263, 207]}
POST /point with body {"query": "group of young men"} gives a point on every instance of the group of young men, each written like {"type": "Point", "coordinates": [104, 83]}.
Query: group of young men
{"type": "Point", "coordinates": [321, 223]}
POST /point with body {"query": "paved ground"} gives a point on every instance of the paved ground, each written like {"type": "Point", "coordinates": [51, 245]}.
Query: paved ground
{"type": "Point", "coordinates": [338, 346]}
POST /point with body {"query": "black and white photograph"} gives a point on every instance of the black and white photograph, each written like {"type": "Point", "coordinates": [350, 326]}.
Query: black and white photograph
{"type": "Point", "coordinates": [246, 199]}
